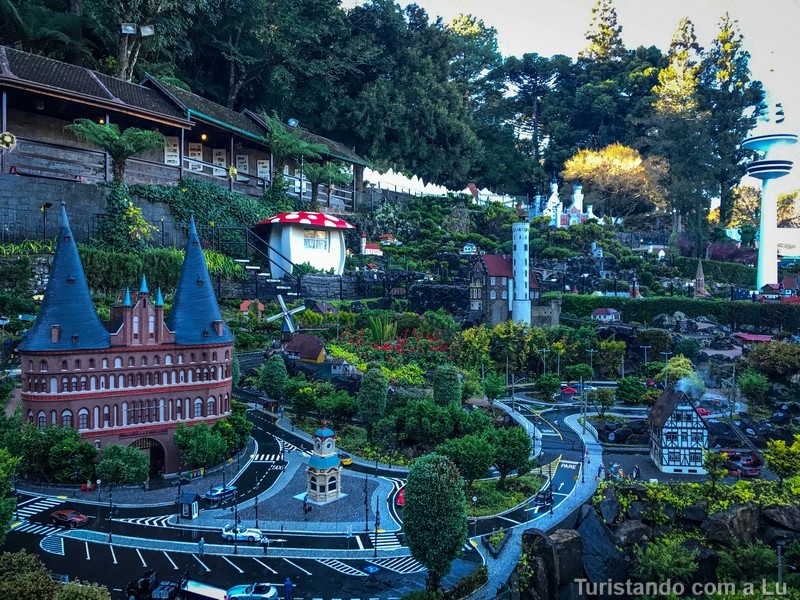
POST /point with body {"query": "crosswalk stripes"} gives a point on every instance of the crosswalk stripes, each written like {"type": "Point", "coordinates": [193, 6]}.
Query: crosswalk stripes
{"type": "Point", "coordinates": [289, 447]}
{"type": "Point", "coordinates": [151, 521]}
{"type": "Point", "coordinates": [35, 528]}
{"type": "Point", "coordinates": [399, 564]}
{"type": "Point", "coordinates": [267, 458]}
{"type": "Point", "coordinates": [54, 544]}
{"type": "Point", "coordinates": [386, 541]}
{"type": "Point", "coordinates": [41, 503]}
{"type": "Point", "coordinates": [338, 565]}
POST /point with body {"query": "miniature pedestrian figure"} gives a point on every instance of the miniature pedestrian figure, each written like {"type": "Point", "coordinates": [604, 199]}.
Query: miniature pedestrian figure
{"type": "Point", "coordinates": [288, 593]}
{"type": "Point", "coordinates": [599, 473]}
{"type": "Point", "coordinates": [201, 545]}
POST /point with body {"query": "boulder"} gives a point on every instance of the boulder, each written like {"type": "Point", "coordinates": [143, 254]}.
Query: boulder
{"type": "Point", "coordinates": [706, 558]}
{"type": "Point", "coordinates": [568, 548]}
{"type": "Point", "coordinates": [537, 588]}
{"type": "Point", "coordinates": [769, 534]}
{"type": "Point", "coordinates": [610, 507]}
{"type": "Point", "coordinates": [638, 426]}
{"type": "Point", "coordinates": [636, 510]}
{"type": "Point", "coordinates": [785, 517]}
{"type": "Point", "coordinates": [619, 436]}
{"type": "Point", "coordinates": [696, 513]}
{"type": "Point", "coordinates": [536, 543]}
{"type": "Point", "coordinates": [637, 490]}
{"type": "Point", "coordinates": [602, 560]}
{"type": "Point", "coordinates": [631, 532]}
{"type": "Point", "coordinates": [736, 525]}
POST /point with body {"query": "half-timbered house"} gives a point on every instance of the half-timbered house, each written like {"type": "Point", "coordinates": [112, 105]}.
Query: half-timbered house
{"type": "Point", "coordinates": [678, 435]}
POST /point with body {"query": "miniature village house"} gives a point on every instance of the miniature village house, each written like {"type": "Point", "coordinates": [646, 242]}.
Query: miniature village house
{"type": "Point", "coordinates": [606, 315]}
{"type": "Point", "coordinates": [678, 435]}
{"type": "Point", "coordinates": [129, 381]}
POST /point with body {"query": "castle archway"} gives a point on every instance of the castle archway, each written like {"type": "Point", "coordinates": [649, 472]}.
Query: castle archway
{"type": "Point", "coordinates": [155, 451]}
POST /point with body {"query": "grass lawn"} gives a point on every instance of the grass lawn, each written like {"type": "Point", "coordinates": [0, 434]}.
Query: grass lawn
{"type": "Point", "coordinates": [493, 500]}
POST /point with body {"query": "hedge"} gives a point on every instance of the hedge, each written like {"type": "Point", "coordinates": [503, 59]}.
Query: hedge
{"type": "Point", "coordinates": [719, 272]}
{"type": "Point", "coordinates": [759, 315]}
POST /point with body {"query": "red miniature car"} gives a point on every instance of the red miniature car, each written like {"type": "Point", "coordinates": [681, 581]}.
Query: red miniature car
{"type": "Point", "coordinates": [703, 412]}
{"type": "Point", "coordinates": [753, 461]}
{"type": "Point", "coordinates": [751, 472]}
{"type": "Point", "coordinates": [69, 518]}
{"type": "Point", "coordinates": [401, 497]}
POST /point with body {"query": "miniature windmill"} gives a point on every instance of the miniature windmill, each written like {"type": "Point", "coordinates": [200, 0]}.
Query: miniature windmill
{"type": "Point", "coordinates": [288, 328]}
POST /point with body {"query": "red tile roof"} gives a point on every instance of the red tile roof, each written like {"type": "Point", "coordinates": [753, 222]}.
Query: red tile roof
{"type": "Point", "coordinates": [789, 283]}
{"type": "Point", "coordinates": [605, 311]}
{"type": "Point", "coordinates": [752, 337]}
{"type": "Point", "coordinates": [499, 265]}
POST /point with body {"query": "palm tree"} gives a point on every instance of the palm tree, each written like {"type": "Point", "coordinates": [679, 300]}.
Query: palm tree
{"type": "Point", "coordinates": [319, 173]}
{"type": "Point", "coordinates": [119, 145]}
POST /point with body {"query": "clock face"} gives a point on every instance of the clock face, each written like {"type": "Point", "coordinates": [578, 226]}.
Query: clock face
{"type": "Point", "coordinates": [317, 444]}
{"type": "Point", "coordinates": [328, 445]}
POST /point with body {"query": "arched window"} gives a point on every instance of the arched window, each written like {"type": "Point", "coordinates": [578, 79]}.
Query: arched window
{"type": "Point", "coordinates": [63, 365]}
{"type": "Point", "coordinates": [139, 379]}
{"type": "Point", "coordinates": [131, 362]}
{"type": "Point", "coordinates": [42, 419]}
{"type": "Point", "coordinates": [178, 411]}
{"type": "Point", "coordinates": [43, 366]}
{"type": "Point", "coordinates": [83, 383]}
{"type": "Point", "coordinates": [53, 418]}
{"type": "Point", "coordinates": [192, 357]}
{"type": "Point", "coordinates": [161, 408]}
{"type": "Point", "coordinates": [66, 418]}
{"type": "Point", "coordinates": [91, 363]}
{"type": "Point", "coordinates": [116, 416]}
{"type": "Point", "coordinates": [118, 362]}
{"type": "Point", "coordinates": [198, 408]}
{"type": "Point", "coordinates": [124, 413]}
{"type": "Point", "coordinates": [151, 325]}
{"type": "Point", "coordinates": [227, 354]}
{"type": "Point", "coordinates": [53, 385]}
{"type": "Point", "coordinates": [106, 416]}
{"type": "Point", "coordinates": [105, 363]}
{"type": "Point", "coordinates": [492, 295]}
{"type": "Point", "coordinates": [146, 418]}
{"type": "Point", "coordinates": [83, 419]}
{"type": "Point", "coordinates": [78, 365]}
{"type": "Point", "coordinates": [97, 444]}
{"type": "Point", "coordinates": [147, 379]}
{"type": "Point", "coordinates": [143, 362]}
{"type": "Point", "coordinates": [504, 295]}
{"type": "Point", "coordinates": [30, 416]}
{"type": "Point", "coordinates": [102, 382]}
{"type": "Point", "coordinates": [331, 484]}
{"type": "Point", "coordinates": [210, 407]}
{"type": "Point", "coordinates": [213, 357]}
{"type": "Point", "coordinates": [156, 360]}
{"type": "Point", "coordinates": [136, 328]}
{"type": "Point", "coordinates": [130, 380]}
{"type": "Point", "coordinates": [93, 383]}
{"type": "Point", "coordinates": [74, 386]}
{"type": "Point", "coordinates": [157, 378]}
{"type": "Point", "coordinates": [168, 359]}
{"type": "Point", "coordinates": [182, 375]}
{"type": "Point", "coordinates": [180, 359]}
{"type": "Point", "coordinates": [96, 417]}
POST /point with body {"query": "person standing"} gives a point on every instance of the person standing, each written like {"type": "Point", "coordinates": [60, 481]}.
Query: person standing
{"type": "Point", "coordinates": [201, 546]}
{"type": "Point", "coordinates": [288, 593]}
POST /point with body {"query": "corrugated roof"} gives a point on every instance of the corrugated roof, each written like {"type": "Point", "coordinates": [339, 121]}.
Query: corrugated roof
{"type": "Point", "coordinates": [67, 304]}
{"type": "Point", "coordinates": [195, 308]}
{"type": "Point", "coordinates": [42, 71]}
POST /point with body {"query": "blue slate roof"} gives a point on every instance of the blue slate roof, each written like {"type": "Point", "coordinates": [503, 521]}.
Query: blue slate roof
{"type": "Point", "coordinates": [195, 307]}
{"type": "Point", "coordinates": [67, 303]}
{"type": "Point", "coordinates": [323, 462]}
{"type": "Point", "coordinates": [323, 433]}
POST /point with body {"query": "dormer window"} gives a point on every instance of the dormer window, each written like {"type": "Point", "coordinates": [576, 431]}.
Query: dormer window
{"type": "Point", "coordinates": [70, 280]}
{"type": "Point", "coordinates": [199, 282]}
{"type": "Point", "coordinates": [74, 338]}
{"type": "Point", "coordinates": [67, 238]}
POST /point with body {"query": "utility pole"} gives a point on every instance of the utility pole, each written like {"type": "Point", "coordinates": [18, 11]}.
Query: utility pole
{"type": "Point", "coordinates": [666, 369]}
{"type": "Point", "coordinates": [366, 505]}
{"type": "Point", "coordinates": [544, 352]}
{"type": "Point", "coordinates": [583, 434]}
{"type": "Point", "coordinates": [591, 352]}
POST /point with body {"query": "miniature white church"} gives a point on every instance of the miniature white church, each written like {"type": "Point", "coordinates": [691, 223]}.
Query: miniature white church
{"type": "Point", "coordinates": [324, 482]}
{"type": "Point", "coordinates": [554, 208]}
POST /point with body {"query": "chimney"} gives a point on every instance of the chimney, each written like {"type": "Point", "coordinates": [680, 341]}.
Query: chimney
{"type": "Point", "coordinates": [55, 333]}
{"type": "Point", "coordinates": [218, 327]}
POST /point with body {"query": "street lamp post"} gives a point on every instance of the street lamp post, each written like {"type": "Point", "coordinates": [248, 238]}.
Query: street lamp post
{"type": "Point", "coordinates": [544, 352]}
{"type": "Point", "coordinates": [257, 511]}
{"type": "Point", "coordinates": [645, 348]}
{"type": "Point", "coordinates": [110, 509]}
{"type": "Point", "coordinates": [16, 500]}
{"type": "Point", "coordinates": [591, 352]}
{"type": "Point", "coordinates": [366, 504]}
{"type": "Point", "coordinates": [550, 473]}
{"type": "Point", "coordinates": [666, 356]}
{"type": "Point", "coordinates": [583, 434]}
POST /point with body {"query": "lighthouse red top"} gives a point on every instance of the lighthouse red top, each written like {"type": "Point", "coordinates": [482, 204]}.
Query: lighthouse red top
{"type": "Point", "coordinates": [308, 218]}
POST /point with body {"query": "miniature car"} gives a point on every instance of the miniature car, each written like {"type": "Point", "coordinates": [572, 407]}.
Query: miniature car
{"type": "Point", "coordinates": [253, 591]}
{"type": "Point", "coordinates": [221, 493]}
{"type": "Point", "coordinates": [345, 460]}
{"type": "Point", "coordinates": [750, 472]}
{"type": "Point", "coordinates": [69, 518]}
{"type": "Point", "coordinates": [401, 497]}
{"type": "Point", "coordinates": [703, 412]}
{"type": "Point", "coordinates": [543, 499]}
{"type": "Point", "coordinates": [753, 461]}
{"type": "Point", "coordinates": [241, 534]}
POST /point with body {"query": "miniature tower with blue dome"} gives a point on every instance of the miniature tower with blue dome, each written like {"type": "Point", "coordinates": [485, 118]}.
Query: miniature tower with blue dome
{"type": "Point", "coordinates": [324, 482]}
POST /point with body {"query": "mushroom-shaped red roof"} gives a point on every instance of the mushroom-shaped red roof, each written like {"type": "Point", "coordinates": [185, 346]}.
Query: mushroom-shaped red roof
{"type": "Point", "coordinates": [308, 218]}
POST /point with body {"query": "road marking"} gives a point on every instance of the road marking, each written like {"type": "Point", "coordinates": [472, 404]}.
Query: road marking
{"type": "Point", "coordinates": [144, 564]}
{"type": "Point", "coordinates": [87, 551]}
{"type": "Point", "coordinates": [297, 566]}
{"type": "Point", "coordinates": [113, 556]}
{"type": "Point", "coordinates": [170, 559]}
{"type": "Point", "coordinates": [507, 519]}
{"type": "Point", "coordinates": [560, 485]}
{"type": "Point", "coordinates": [201, 563]}
{"type": "Point", "coordinates": [268, 568]}
{"type": "Point", "coordinates": [341, 567]}
{"type": "Point", "coordinates": [399, 564]}
{"type": "Point", "coordinates": [360, 543]}
{"type": "Point", "coordinates": [234, 566]}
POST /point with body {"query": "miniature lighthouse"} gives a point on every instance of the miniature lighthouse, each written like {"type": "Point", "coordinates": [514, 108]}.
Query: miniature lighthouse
{"type": "Point", "coordinates": [771, 165]}
{"type": "Point", "coordinates": [521, 303]}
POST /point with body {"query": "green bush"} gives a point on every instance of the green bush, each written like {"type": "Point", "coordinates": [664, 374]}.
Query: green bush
{"type": "Point", "coordinates": [469, 584]}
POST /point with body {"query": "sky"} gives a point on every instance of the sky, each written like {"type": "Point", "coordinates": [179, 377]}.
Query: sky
{"type": "Point", "coordinates": [550, 27]}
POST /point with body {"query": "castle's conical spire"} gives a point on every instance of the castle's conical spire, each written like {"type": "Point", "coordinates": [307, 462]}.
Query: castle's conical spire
{"type": "Point", "coordinates": [127, 301]}
{"type": "Point", "coordinates": [159, 298]}
{"type": "Point", "coordinates": [195, 309]}
{"type": "Point", "coordinates": [67, 319]}
{"type": "Point", "coordinates": [143, 288]}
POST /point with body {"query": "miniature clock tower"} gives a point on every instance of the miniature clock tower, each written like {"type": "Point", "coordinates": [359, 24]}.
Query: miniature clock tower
{"type": "Point", "coordinates": [324, 468]}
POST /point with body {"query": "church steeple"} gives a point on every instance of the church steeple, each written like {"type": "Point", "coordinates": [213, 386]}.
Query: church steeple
{"type": "Point", "coordinates": [67, 319]}
{"type": "Point", "coordinates": [195, 316]}
{"type": "Point", "coordinates": [143, 288]}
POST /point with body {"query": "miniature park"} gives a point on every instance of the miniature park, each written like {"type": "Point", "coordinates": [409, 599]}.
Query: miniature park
{"type": "Point", "coordinates": [238, 364]}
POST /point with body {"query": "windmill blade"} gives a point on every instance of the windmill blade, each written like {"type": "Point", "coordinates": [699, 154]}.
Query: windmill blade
{"type": "Point", "coordinates": [290, 324]}
{"type": "Point", "coordinates": [282, 303]}
{"type": "Point", "coordinates": [294, 311]}
{"type": "Point", "coordinates": [274, 317]}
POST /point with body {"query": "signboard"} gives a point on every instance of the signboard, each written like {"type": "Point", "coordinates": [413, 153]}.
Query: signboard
{"type": "Point", "coordinates": [220, 159]}
{"type": "Point", "coordinates": [262, 168]}
{"type": "Point", "coordinates": [196, 153]}
{"type": "Point", "coordinates": [371, 569]}
{"type": "Point", "coordinates": [172, 155]}
{"type": "Point", "coordinates": [242, 163]}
